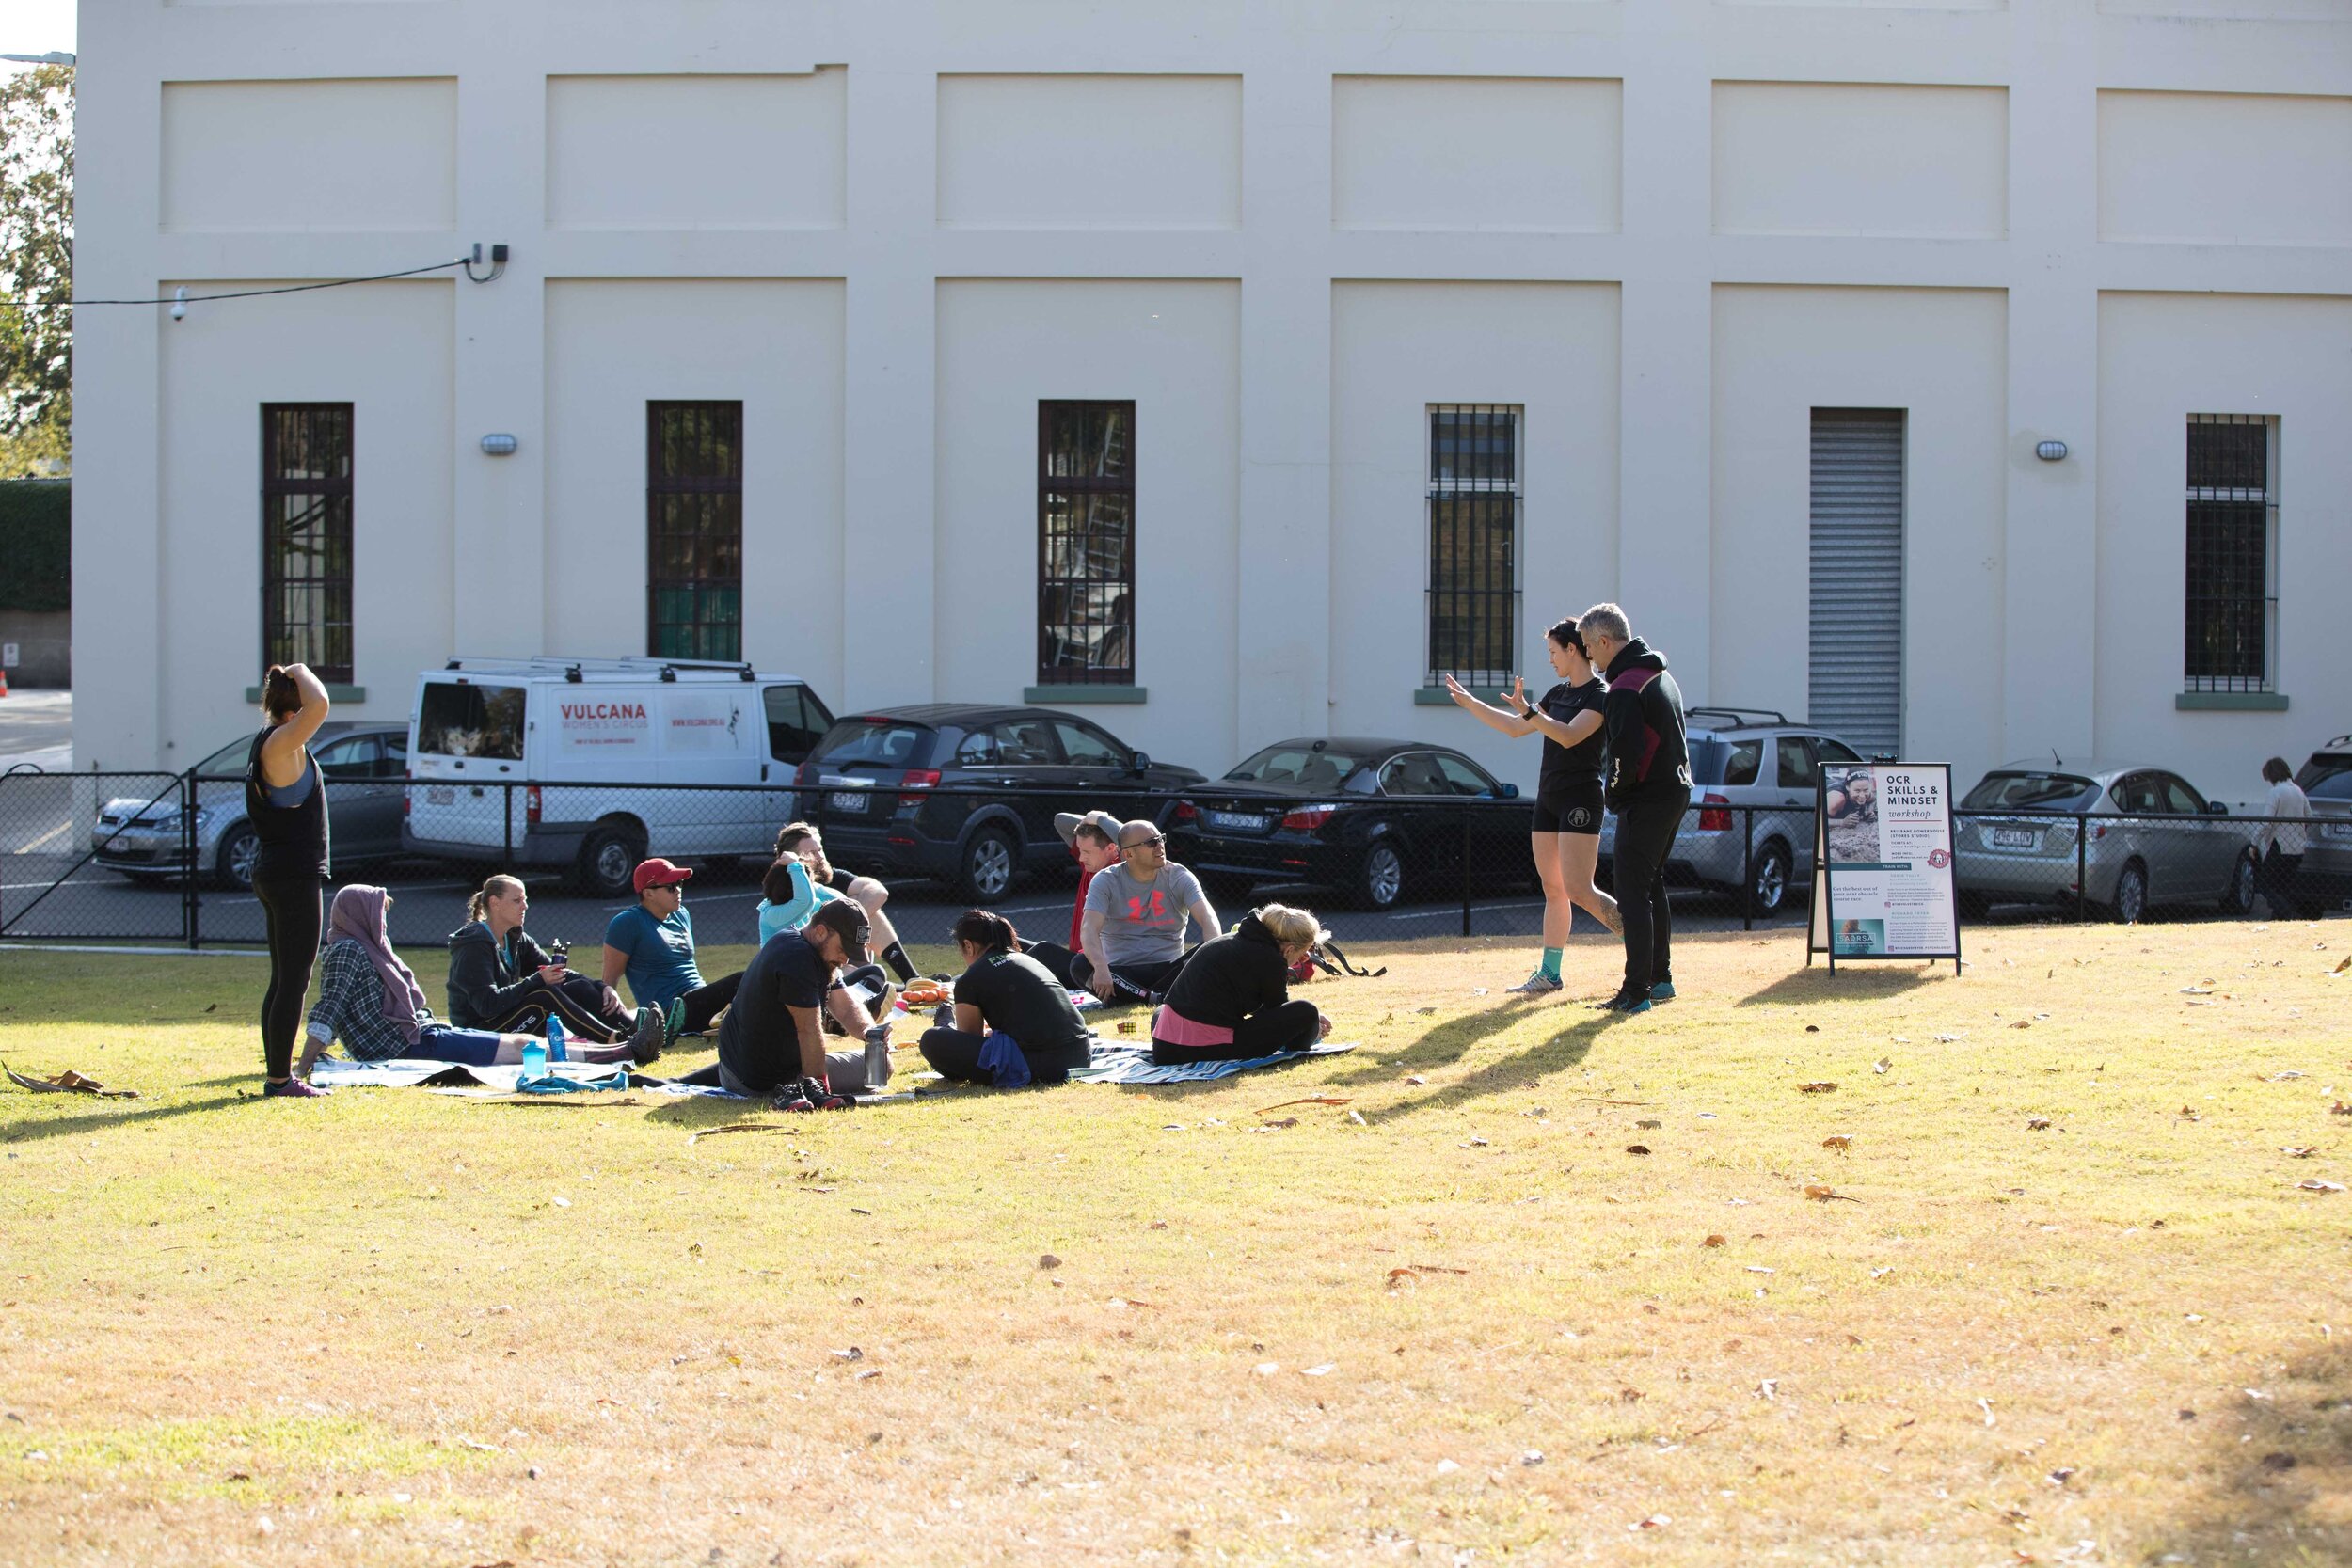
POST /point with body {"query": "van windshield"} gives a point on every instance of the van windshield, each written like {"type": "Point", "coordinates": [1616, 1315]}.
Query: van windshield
{"type": "Point", "coordinates": [2031, 792]}
{"type": "Point", "coordinates": [459, 718]}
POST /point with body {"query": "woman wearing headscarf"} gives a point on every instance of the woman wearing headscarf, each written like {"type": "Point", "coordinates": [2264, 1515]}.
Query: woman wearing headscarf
{"type": "Point", "coordinates": [370, 999]}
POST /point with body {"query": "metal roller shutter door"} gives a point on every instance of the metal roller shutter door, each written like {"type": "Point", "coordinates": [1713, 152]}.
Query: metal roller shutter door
{"type": "Point", "coordinates": [1856, 668]}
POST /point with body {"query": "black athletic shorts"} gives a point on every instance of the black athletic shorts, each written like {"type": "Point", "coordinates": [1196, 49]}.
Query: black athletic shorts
{"type": "Point", "coordinates": [1569, 809]}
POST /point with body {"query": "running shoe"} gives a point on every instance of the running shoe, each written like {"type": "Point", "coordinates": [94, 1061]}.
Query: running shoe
{"type": "Point", "coordinates": [644, 1043]}
{"type": "Point", "coordinates": [945, 1015]}
{"type": "Point", "coordinates": [795, 1096]}
{"type": "Point", "coordinates": [1626, 1002]}
{"type": "Point", "coordinates": [822, 1098]}
{"type": "Point", "coordinates": [882, 1004]}
{"type": "Point", "coordinates": [1539, 984]}
{"type": "Point", "coordinates": [672, 1022]}
{"type": "Point", "coordinates": [293, 1088]}
{"type": "Point", "coordinates": [1662, 991]}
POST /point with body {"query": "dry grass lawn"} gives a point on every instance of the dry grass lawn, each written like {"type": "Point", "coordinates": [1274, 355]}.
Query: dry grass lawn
{"type": "Point", "coordinates": [1458, 1318]}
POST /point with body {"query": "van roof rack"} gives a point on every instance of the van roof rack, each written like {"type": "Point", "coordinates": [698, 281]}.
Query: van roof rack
{"type": "Point", "coordinates": [1739, 716]}
{"type": "Point", "coordinates": [576, 669]}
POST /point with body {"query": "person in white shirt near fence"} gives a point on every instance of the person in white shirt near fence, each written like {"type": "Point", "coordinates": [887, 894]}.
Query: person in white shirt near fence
{"type": "Point", "coordinates": [2284, 838]}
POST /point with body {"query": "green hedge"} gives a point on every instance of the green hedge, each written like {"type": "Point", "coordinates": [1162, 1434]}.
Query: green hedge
{"type": "Point", "coordinates": [36, 543]}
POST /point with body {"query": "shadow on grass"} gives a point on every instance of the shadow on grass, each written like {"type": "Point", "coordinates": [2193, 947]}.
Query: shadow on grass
{"type": "Point", "coordinates": [2277, 1469]}
{"type": "Point", "coordinates": [1449, 1041]}
{"type": "Point", "coordinates": [1852, 984]}
{"type": "Point", "coordinates": [1519, 1071]}
{"type": "Point", "coordinates": [99, 1121]}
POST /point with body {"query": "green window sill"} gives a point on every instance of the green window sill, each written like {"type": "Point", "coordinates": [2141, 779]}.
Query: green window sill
{"type": "Point", "coordinates": [2230, 702]}
{"type": "Point", "coordinates": [1063, 695]}
{"type": "Point", "coordinates": [334, 693]}
{"type": "Point", "coordinates": [1436, 696]}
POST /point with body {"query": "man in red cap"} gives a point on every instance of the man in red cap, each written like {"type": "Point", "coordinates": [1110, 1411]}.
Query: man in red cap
{"type": "Point", "coordinates": [652, 942]}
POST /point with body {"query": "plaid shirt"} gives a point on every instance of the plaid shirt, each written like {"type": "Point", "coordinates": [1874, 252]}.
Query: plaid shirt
{"type": "Point", "coordinates": [351, 1006]}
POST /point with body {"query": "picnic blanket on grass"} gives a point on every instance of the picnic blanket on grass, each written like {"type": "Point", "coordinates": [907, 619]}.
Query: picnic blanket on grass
{"type": "Point", "coordinates": [1133, 1064]}
{"type": "Point", "coordinates": [484, 1082]}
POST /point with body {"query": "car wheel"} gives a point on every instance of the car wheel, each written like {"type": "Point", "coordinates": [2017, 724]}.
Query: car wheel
{"type": "Point", "coordinates": [1380, 876]}
{"type": "Point", "coordinates": [986, 872]}
{"type": "Point", "coordinates": [239, 848]}
{"type": "Point", "coordinates": [607, 860]}
{"type": "Point", "coordinates": [1768, 888]}
{"type": "Point", "coordinates": [2238, 898]}
{"type": "Point", "coordinates": [2130, 903]}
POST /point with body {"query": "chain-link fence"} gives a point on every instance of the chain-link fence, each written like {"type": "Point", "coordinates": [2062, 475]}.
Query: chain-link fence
{"type": "Point", "coordinates": [163, 858]}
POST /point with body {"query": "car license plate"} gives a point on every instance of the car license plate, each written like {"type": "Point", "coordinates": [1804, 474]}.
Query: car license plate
{"type": "Point", "coordinates": [1239, 821]}
{"type": "Point", "coordinates": [846, 800]}
{"type": "Point", "coordinates": [2338, 830]}
{"type": "Point", "coordinates": [2015, 838]}
{"type": "Point", "coordinates": [441, 795]}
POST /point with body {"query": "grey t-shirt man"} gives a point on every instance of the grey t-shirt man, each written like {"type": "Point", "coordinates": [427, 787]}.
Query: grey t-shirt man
{"type": "Point", "coordinates": [1143, 922]}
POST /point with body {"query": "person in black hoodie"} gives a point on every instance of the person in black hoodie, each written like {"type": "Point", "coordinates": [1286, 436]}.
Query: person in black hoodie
{"type": "Point", "coordinates": [501, 979]}
{"type": "Point", "coordinates": [1647, 785]}
{"type": "Point", "coordinates": [1232, 1000]}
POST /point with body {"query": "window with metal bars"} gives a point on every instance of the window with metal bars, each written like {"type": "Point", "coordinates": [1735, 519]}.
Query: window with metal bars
{"type": "Point", "coordinates": [2232, 604]}
{"type": "Point", "coordinates": [306, 537]}
{"type": "Point", "coordinates": [1473, 541]}
{"type": "Point", "coordinates": [694, 530]}
{"type": "Point", "coordinates": [1086, 543]}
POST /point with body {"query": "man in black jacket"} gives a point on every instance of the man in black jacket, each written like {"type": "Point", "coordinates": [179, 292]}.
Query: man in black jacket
{"type": "Point", "coordinates": [1647, 787]}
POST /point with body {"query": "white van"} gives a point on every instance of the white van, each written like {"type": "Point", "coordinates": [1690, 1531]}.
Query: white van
{"type": "Point", "coordinates": [541, 762]}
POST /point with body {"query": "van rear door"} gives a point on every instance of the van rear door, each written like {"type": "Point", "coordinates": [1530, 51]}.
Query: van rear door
{"type": "Point", "coordinates": [466, 750]}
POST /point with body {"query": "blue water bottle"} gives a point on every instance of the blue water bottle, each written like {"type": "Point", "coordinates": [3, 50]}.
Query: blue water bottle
{"type": "Point", "coordinates": [555, 1039]}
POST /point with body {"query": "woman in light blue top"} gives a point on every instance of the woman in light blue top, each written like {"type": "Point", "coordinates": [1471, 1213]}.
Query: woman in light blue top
{"type": "Point", "coordinates": [792, 896]}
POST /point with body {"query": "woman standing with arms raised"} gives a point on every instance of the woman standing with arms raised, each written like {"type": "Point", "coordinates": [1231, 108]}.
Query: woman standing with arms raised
{"type": "Point", "coordinates": [1566, 841]}
{"type": "Point", "coordinates": [285, 799]}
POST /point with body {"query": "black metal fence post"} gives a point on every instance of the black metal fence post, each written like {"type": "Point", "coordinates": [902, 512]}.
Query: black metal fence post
{"type": "Point", "coordinates": [1468, 818]}
{"type": "Point", "coordinates": [191, 919]}
{"type": "Point", "coordinates": [2082, 869]}
{"type": "Point", "coordinates": [1747, 869]}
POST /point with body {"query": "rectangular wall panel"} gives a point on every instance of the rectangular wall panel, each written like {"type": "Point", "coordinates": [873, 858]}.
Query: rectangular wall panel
{"type": "Point", "coordinates": [1476, 152]}
{"type": "Point", "coordinates": [697, 152]}
{"type": "Point", "coordinates": [1835, 158]}
{"type": "Point", "coordinates": [2225, 169]}
{"type": "Point", "coordinates": [1088, 151]}
{"type": "Point", "coordinates": [1856, 676]}
{"type": "Point", "coordinates": [310, 155]}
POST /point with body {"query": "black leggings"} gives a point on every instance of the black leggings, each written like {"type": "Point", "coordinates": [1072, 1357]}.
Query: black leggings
{"type": "Point", "coordinates": [1645, 836]}
{"type": "Point", "coordinates": [294, 909]}
{"type": "Point", "coordinates": [1294, 1025]}
{"type": "Point", "coordinates": [590, 1009]}
{"type": "Point", "coordinates": [955, 1054]}
{"type": "Point", "coordinates": [705, 1003]}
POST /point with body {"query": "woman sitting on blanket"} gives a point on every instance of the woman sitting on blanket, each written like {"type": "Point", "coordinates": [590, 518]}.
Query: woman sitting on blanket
{"type": "Point", "coordinates": [370, 1000]}
{"type": "Point", "coordinates": [1013, 1020]}
{"type": "Point", "coordinates": [501, 979]}
{"type": "Point", "coordinates": [1232, 1000]}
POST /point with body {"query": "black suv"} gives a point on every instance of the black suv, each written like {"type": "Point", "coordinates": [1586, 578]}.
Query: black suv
{"type": "Point", "coordinates": [908, 789]}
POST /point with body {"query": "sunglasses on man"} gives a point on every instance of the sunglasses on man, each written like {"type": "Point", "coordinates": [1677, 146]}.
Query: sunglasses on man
{"type": "Point", "coordinates": [1151, 843]}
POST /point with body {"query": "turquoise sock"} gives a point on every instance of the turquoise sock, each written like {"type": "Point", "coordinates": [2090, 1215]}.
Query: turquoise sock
{"type": "Point", "coordinates": [1551, 963]}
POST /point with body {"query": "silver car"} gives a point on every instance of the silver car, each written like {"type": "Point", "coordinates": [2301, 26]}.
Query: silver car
{"type": "Point", "coordinates": [1747, 762]}
{"type": "Point", "coordinates": [2142, 837]}
{"type": "Point", "coordinates": [364, 765]}
{"type": "Point", "coordinates": [2326, 880]}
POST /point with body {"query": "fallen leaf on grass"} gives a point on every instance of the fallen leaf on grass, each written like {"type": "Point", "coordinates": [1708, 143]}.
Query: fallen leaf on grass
{"type": "Point", "coordinates": [1637, 1148]}
{"type": "Point", "coordinates": [1986, 1405]}
{"type": "Point", "coordinates": [1283, 1121]}
{"type": "Point", "coordinates": [869, 1373]}
{"type": "Point", "coordinates": [1439, 1268]}
{"type": "Point", "coordinates": [478, 1447]}
{"type": "Point", "coordinates": [2037, 1123]}
{"type": "Point", "coordinates": [2340, 1109]}
{"type": "Point", "coordinates": [2187, 1115]}
{"type": "Point", "coordinates": [1048, 1261]}
{"type": "Point", "coordinates": [1402, 1276]}
{"type": "Point", "coordinates": [1812, 1028]}
{"type": "Point", "coordinates": [68, 1082]}
{"type": "Point", "coordinates": [1883, 1065]}
{"type": "Point", "coordinates": [1819, 1194]}
{"type": "Point", "coordinates": [1474, 1143]}
{"type": "Point", "coordinates": [1714, 1238]}
{"type": "Point", "coordinates": [1818, 1086]}
{"type": "Point", "coordinates": [1947, 1039]}
{"type": "Point", "coordinates": [2196, 991]}
{"type": "Point", "coordinates": [1758, 1268]}
{"type": "Point", "coordinates": [1768, 1389]}
{"type": "Point", "coordinates": [1416, 1079]}
{"type": "Point", "coordinates": [2314, 1184]}
{"type": "Point", "coordinates": [1649, 1124]}
{"type": "Point", "coordinates": [1325, 1370]}
{"type": "Point", "coordinates": [2294, 1152]}
{"type": "Point", "coordinates": [740, 1127]}
{"type": "Point", "coordinates": [852, 1353]}
{"type": "Point", "coordinates": [1656, 1521]}
{"type": "Point", "coordinates": [2345, 967]}
{"type": "Point", "coordinates": [1881, 1273]}
{"type": "Point", "coordinates": [1838, 1140]}
{"type": "Point", "coordinates": [1266, 1369]}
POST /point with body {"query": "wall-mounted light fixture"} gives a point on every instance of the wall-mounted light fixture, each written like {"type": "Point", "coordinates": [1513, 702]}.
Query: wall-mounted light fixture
{"type": "Point", "coordinates": [2051, 452]}
{"type": "Point", "coordinates": [499, 445]}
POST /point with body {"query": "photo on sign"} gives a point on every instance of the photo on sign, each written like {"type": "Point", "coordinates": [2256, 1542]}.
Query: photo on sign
{"type": "Point", "coordinates": [1860, 939]}
{"type": "Point", "coordinates": [1851, 809]}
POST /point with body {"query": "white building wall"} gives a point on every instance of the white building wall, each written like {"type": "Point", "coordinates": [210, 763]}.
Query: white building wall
{"type": "Point", "coordinates": [892, 227]}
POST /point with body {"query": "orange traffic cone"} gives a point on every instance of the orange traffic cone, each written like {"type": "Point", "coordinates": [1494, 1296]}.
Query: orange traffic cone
{"type": "Point", "coordinates": [4, 683]}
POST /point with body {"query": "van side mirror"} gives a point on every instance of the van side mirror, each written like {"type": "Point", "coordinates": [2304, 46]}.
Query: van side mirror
{"type": "Point", "coordinates": [1142, 761]}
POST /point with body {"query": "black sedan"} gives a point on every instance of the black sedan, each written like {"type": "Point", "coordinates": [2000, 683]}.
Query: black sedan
{"type": "Point", "coordinates": [968, 793]}
{"type": "Point", "coordinates": [1372, 818]}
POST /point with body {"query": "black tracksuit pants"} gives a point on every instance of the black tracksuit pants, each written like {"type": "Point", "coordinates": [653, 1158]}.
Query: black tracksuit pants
{"type": "Point", "coordinates": [1645, 836]}
{"type": "Point", "coordinates": [293, 911]}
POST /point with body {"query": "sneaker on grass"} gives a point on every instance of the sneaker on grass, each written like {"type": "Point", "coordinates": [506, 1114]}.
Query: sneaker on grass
{"type": "Point", "coordinates": [292, 1089]}
{"type": "Point", "coordinates": [672, 1022]}
{"type": "Point", "coordinates": [1539, 984]}
{"type": "Point", "coordinates": [644, 1043]}
{"type": "Point", "coordinates": [1626, 1002]}
{"type": "Point", "coordinates": [1662, 991]}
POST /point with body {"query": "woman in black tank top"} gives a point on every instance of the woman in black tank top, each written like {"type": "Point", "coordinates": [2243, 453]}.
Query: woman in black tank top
{"type": "Point", "coordinates": [1566, 829]}
{"type": "Point", "coordinates": [285, 799]}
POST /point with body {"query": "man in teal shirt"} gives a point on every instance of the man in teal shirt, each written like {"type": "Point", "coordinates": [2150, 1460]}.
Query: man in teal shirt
{"type": "Point", "coordinates": [652, 942]}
